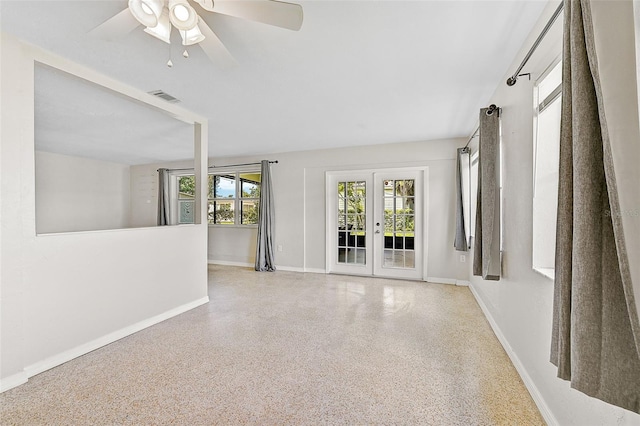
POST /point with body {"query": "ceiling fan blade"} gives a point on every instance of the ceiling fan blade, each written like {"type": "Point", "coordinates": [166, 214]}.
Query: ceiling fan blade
{"type": "Point", "coordinates": [213, 47]}
{"type": "Point", "coordinates": [271, 12]}
{"type": "Point", "coordinates": [116, 26]}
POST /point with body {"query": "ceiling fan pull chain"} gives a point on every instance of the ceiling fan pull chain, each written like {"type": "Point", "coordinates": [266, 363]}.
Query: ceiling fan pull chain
{"type": "Point", "coordinates": [169, 62]}
{"type": "Point", "coordinates": [185, 53]}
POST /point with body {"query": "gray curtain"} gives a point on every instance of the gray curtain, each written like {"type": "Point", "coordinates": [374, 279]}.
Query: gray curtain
{"type": "Point", "coordinates": [264, 250]}
{"type": "Point", "coordinates": [486, 244]}
{"type": "Point", "coordinates": [593, 344]}
{"type": "Point", "coordinates": [163, 197]}
{"type": "Point", "coordinates": [460, 241]}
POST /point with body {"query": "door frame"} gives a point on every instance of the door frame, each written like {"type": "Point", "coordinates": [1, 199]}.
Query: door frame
{"type": "Point", "coordinates": [330, 250]}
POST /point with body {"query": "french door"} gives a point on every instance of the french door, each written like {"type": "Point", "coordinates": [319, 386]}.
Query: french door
{"type": "Point", "coordinates": [375, 223]}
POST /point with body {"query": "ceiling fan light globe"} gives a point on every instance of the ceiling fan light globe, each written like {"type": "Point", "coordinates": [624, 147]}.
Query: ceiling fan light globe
{"type": "Point", "coordinates": [182, 15]}
{"type": "Point", "coordinates": [147, 12]}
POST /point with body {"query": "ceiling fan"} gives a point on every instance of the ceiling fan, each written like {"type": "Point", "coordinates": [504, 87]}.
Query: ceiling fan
{"type": "Point", "coordinates": [160, 16]}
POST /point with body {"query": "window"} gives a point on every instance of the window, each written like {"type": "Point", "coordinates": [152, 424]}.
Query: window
{"type": "Point", "coordinates": [233, 198]}
{"type": "Point", "coordinates": [548, 91]}
{"type": "Point", "coordinates": [473, 177]}
{"type": "Point", "coordinates": [222, 200]}
{"type": "Point", "coordinates": [186, 199]}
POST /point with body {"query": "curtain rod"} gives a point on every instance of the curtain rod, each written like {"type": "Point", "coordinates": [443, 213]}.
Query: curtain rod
{"type": "Point", "coordinates": [214, 166]}
{"type": "Point", "coordinates": [244, 164]}
{"type": "Point", "coordinates": [514, 78]}
{"type": "Point", "coordinates": [471, 138]}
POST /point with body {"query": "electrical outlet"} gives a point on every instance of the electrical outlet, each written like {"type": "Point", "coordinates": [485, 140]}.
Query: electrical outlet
{"type": "Point", "coordinates": [463, 258]}
{"type": "Point", "coordinates": [280, 247]}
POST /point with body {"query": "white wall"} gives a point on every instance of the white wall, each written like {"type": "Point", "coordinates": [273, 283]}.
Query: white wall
{"type": "Point", "coordinates": [144, 195]}
{"type": "Point", "coordinates": [80, 194]}
{"type": "Point", "coordinates": [232, 245]}
{"type": "Point", "coordinates": [299, 198]}
{"type": "Point", "coordinates": [62, 295]}
{"type": "Point", "coordinates": [520, 304]}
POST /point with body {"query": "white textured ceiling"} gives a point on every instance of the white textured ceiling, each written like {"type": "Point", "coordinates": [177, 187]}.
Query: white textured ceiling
{"type": "Point", "coordinates": [357, 73]}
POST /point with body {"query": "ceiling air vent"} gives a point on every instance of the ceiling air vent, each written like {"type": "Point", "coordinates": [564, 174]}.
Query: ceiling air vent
{"type": "Point", "coordinates": [162, 95]}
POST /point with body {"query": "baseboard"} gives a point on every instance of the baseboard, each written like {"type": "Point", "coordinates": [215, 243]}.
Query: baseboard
{"type": "Point", "coordinates": [278, 267]}
{"type": "Point", "coordinates": [315, 270]}
{"type": "Point", "coordinates": [450, 281]}
{"type": "Point", "coordinates": [289, 268]}
{"type": "Point", "coordinates": [441, 280]}
{"type": "Point", "coordinates": [230, 263]}
{"type": "Point", "coordinates": [13, 381]}
{"type": "Point", "coordinates": [528, 382]}
{"type": "Point", "coordinates": [66, 356]}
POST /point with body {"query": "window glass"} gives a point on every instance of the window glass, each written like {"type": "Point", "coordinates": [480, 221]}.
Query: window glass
{"type": "Point", "coordinates": [186, 211]}
{"type": "Point", "coordinates": [186, 187]}
{"type": "Point", "coordinates": [473, 192]}
{"type": "Point", "coordinates": [224, 186]}
{"type": "Point", "coordinates": [545, 180]}
{"type": "Point", "coordinates": [250, 185]}
{"type": "Point", "coordinates": [224, 212]}
{"type": "Point", "coordinates": [549, 83]}
{"type": "Point", "coordinates": [249, 212]}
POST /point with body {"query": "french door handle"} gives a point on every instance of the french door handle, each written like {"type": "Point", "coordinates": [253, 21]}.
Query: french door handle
{"type": "Point", "coordinates": [378, 231]}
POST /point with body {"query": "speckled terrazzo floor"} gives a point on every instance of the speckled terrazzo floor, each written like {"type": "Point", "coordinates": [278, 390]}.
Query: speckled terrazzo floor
{"type": "Point", "coordinates": [290, 348]}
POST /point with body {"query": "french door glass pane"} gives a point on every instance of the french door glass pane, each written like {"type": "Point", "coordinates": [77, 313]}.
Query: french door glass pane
{"type": "Point", "coordinates": [351, 221]}
{"type": "Point", "coordinates": [399, 223]}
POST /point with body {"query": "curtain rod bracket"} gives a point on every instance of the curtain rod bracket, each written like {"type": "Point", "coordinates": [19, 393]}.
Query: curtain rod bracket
{"type": "Point", "coordinates": [511, 81]}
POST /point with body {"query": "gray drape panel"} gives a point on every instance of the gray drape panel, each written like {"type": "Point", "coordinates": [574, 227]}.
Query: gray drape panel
{"type": "Point", "coordinates": [264, 250]}
{"type": "Point", "coordinates": [460, 241]}
{"type": "Point", "coordinates": [163, 197]}
{"type": "Point", "coordinates": [486, 245]}
{"type": "Point", "coordinates": [593, 343]}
